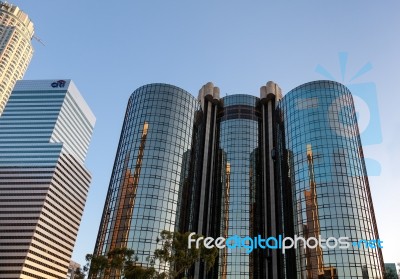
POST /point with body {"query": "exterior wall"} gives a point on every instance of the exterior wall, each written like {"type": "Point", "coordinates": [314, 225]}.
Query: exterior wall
{"type": "Point", "coordinates": [43, 181]}
{"type": "Point", "coordinates": [244, 166]}
{"type": "Point", "coordinates": [203, 192]}
{"type": "Point", "coordinates": [149, 171]}
{"type": "Point", "coordinates": [239, 145]}
{"type": "Point", "coordinates": [326, 176]}
{"type": "Point", "coordinates": [16, 32]}
{"type": "Point", "coordinates": [267, 200]}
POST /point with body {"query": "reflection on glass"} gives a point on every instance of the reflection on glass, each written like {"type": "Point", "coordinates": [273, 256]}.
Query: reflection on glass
{"type": "Point", "coordinates": [149, 172]}
{"type": "Point", "coordinates": [329, 188]}
{"type": "Point", "coordinates": [314, 256]}
{"type": "Point", "coordinates": [225, 212]}
{"type": "Point", "coordinates": [239, 122]}
{"type": "Point", "coordinates": [312, 228]}
{"type": "Point", "coordinates": [127, 196]}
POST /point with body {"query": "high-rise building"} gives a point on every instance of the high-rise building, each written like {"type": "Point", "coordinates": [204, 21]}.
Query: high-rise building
{"type": "Point", "coordinates": [238, 145]}
{"type": "Point", "coordinates": [45, 132]}
{"type": "Point", "coordinates": [16, 33]}
{"type": "Point", "coordinates": [150, 166]}
{"type": "Point", "coordinates": [324, 183]}
{"type": "Point", "coordinates": [249, 166]}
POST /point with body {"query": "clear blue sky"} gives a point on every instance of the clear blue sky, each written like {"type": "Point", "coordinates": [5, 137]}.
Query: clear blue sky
{"type": "Point", "coordinates": [109, 48]}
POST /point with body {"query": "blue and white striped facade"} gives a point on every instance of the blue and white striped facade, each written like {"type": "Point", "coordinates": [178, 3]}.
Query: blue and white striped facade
{"type": "Point", "coordinates": [45, 131]}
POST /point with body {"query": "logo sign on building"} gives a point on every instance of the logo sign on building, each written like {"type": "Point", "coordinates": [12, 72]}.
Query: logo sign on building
{"type": "Point", "coordinates": [58, 84]}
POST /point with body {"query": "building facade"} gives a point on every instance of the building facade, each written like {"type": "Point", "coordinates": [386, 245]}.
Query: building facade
{"type": "Point", "coordinates": [238, 145]}
{"type": "Point", "coordinates": [45, 132]}
{"type": "Point", "coordinates": [269, 166]}
{"type": "Point", "coordinates": [16, 33]}
{"type": "Point", "coordinates": [325, 174]}
{"type": "Point", "coordinates": [150, 166]}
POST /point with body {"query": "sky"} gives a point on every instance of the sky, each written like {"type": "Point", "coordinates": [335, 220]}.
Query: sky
{"type": "Point", "coordinates": [110, 48]}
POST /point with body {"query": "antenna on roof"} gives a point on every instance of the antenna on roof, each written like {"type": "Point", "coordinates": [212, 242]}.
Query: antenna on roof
{"type": "Point", "coordinates": [38, 39]}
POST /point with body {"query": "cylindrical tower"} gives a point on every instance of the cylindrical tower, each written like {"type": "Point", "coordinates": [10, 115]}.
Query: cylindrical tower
{"type": "Point", "coordinates": [324, 173]}
{"type": "Point", "coordinates": [239, 122]}
{"type": "Point", "coordinates": [16, 33]}
{"type": "Point", "coordinates": [150, 167]}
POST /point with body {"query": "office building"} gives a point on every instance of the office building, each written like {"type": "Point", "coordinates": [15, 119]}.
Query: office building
{"type": "Point", "coordinates": [248, 166]}
{"type": "Point", "coordinates": [324, 183]}
{"type": "Point", "coordinates": [150, 166]}
{"type": "Point", "coordinates": [45, 132]}
{"type": "Point", "coordinates": [16, 33]}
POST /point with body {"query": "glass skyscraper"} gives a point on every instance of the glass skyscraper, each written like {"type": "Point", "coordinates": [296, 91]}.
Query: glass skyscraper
{"type": "Point", "coordinates": [45, 132]}
{"type": "Point", "coordinates": [248, 166]}
{"type": "Point", "coordinates": [328, 184]}
{"type": "Point", "coordinates": [150, 168]}
{"type": "Point", "coordinates": [238, 143]}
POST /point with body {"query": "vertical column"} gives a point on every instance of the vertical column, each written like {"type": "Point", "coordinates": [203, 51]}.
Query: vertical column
{"type": "Point", "coordinates": [209, 100]}
{"type": "Point", "coordinates": [269, 95]}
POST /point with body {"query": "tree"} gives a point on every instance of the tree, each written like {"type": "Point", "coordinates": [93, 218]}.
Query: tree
{"type": "Point", "coordinates": [96, 264]}
{"type": "Point", "coordinates": [176, 253]}
{"type": "Point", "coordinates": [138, 272]}
{"type": "Point", "coordinates": [79, 273]}
{"type": "Point", "coordinates": [120, 261]}
{"type": "Point", "coordinates": [123, 261]}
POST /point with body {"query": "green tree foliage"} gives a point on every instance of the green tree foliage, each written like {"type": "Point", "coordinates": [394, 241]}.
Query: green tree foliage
{"type": "Point", "coordinates": [176, 253]}
{"type": "Point", "coordinates": [119, 260]}
{"type": "Point", "coordinates": [79, 273]}
{"type": "Point", "coordinates": [96, 264]}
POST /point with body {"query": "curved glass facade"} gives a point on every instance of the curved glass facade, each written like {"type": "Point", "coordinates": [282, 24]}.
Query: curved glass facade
{"type": "Point", "coordinates": [327, 179]}
{"type": "Point", "coordinates": [244, 166]}
{"type": "Point", "coordinates": [149, 169]}
{"type": "Point", "coordinates": [238, 123]}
